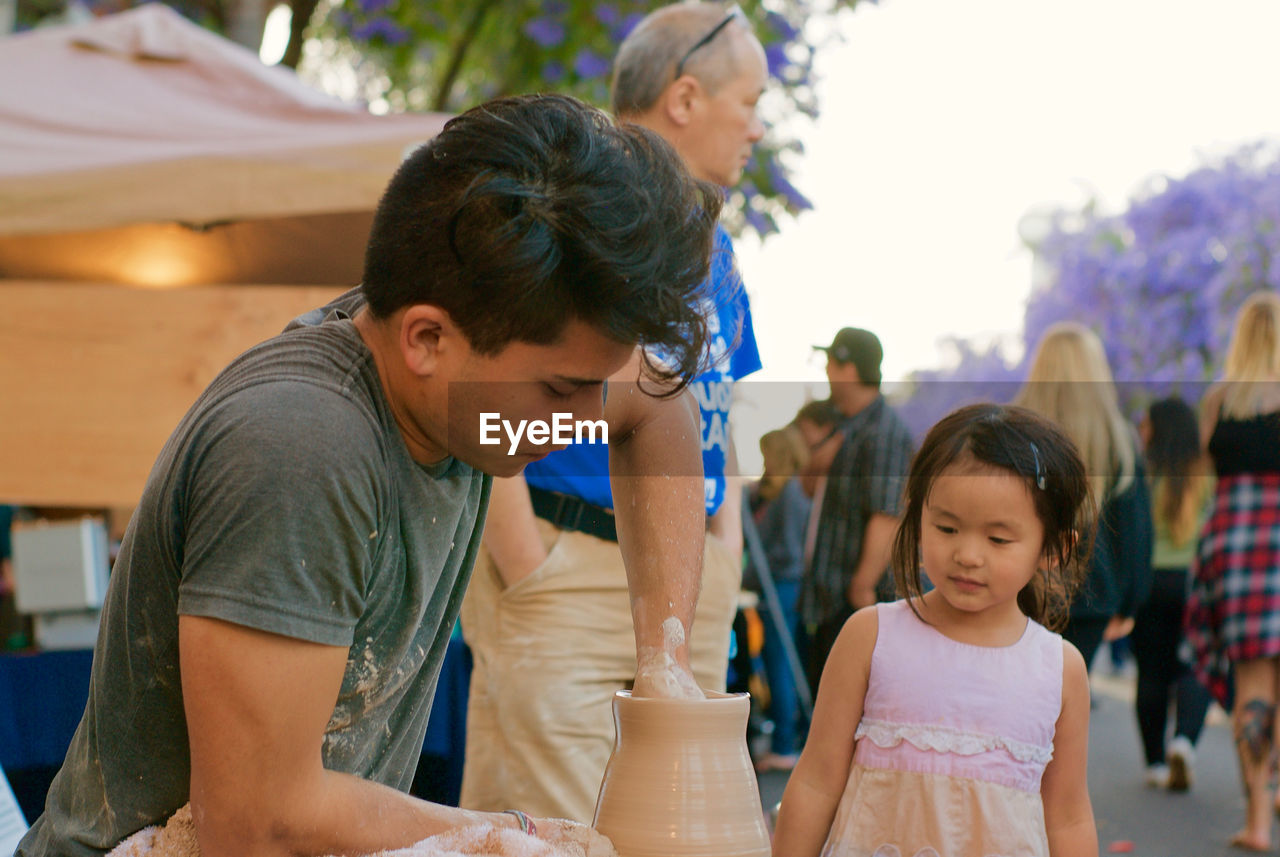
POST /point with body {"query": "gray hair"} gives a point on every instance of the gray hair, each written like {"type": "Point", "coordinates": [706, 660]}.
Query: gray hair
{"type": "Point", "coordinates": [646, 61]}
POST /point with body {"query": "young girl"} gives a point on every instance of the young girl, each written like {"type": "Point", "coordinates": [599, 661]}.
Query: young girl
{"type": "Point", "coordinates": [780, 510]}
{"type": "Point", "coordinates": [953, 724]}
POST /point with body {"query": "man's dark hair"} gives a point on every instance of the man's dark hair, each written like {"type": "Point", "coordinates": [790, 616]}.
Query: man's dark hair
{"type": "Point", "coordinates": [527, 212]}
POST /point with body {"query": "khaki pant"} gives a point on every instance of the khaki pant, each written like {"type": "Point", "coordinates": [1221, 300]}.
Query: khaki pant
{"type": "Point", "coordinates": [549, 654]}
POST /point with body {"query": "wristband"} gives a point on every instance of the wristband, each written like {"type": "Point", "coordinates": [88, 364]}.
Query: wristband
{"type": "Point", "coordinates": [526, 823]}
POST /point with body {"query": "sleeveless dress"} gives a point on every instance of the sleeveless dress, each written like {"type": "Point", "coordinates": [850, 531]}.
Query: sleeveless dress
{"type": "Point", "coordinates": [952, 745]}
{"type": "Point", "coordinates": [1233, 611]}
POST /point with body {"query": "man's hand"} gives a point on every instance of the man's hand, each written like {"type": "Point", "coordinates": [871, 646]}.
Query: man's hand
{"type": "Point", "coordinates": [552, 837]}
{"type": "Point", "coordinates": [658, 673]}
{"type": "Point", "coordinates": [573, 839]}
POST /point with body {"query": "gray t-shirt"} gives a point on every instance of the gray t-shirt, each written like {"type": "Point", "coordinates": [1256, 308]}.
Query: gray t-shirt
{"type": "Point", "coordinates": [285, 501]}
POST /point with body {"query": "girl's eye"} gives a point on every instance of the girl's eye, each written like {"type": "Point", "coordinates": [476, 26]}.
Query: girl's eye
{"type": "Point", "coordinates": [999, 541]}
{"type": "Point", "coordinates": [942, 528]}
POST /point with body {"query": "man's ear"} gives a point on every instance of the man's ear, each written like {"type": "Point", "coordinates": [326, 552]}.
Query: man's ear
{"type": "Point", "coordinates": [679, 98]}
{"type": "Point", "coordinates": [427, 333]}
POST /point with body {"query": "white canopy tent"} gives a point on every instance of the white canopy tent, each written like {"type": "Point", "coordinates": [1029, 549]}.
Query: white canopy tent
{"type": "Point", "coordinates": [145, 118]}
{"type": "Point", "coordinates": [139, 150]}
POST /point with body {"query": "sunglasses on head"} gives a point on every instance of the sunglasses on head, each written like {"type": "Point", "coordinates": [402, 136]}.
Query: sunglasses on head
{"type": "Point", "coordinates": [735, 11]}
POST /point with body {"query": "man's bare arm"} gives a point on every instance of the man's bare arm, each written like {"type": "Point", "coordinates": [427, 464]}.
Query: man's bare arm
{"type": "Point", "coordinates": [726, 523]}
{"type": "Point", "coordinates": [877, 544]}
{"type": "Point", "coordinates": [511, 530]}
{"type": "Point", "coordinates": [655, 458]}
{"type": "Point", "coordinates": [256, 707]}
{"type": "Point", "coordinates": [655, 465]}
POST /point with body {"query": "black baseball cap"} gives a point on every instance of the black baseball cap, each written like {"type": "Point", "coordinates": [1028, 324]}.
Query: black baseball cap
{"type": "Point", "coordinates": [859, 347]}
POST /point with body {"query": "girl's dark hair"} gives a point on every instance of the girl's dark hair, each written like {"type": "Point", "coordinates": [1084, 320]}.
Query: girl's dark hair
{"type": "Point", "coordinates": [530, 211]}
{"type": "Point", "coordinates": [1173, 459]}
{"type": "Point", "coordinates": [1025, 444]}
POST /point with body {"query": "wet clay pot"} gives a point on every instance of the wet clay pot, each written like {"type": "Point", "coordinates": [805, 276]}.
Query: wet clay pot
{"type": "Point", "coordinates": [680, 781]}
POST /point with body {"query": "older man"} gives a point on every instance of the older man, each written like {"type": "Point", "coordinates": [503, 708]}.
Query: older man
{"type": "Point", "coordinates": [548, 618]}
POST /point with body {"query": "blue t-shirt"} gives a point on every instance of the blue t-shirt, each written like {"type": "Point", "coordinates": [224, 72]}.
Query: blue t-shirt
{"type": "Point", "coordinates": [582, 470]}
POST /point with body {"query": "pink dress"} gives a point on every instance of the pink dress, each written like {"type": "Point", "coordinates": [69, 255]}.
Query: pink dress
{"type": "Point", "coordinates": [952, 745]}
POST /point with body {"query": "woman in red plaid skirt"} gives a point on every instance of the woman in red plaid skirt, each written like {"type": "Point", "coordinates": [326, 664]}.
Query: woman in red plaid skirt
{"type": "Point", "coordinates": [1233, 613]}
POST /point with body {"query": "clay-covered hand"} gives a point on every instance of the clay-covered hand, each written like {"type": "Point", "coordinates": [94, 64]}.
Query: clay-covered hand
{"type": "Point", "coordinates": [573, 839]}
{"type": "Point", "coordinates": [659, 674]}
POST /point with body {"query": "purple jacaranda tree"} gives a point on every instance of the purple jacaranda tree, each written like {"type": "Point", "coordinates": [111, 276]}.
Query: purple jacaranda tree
{"type": "Point", "coordinates": [1160, 284]}
{"type": "Point", "coordinates": [979, 375]}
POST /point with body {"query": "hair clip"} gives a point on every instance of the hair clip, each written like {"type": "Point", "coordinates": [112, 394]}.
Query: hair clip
{"type": "Point", "coordinates": [1039, 473]}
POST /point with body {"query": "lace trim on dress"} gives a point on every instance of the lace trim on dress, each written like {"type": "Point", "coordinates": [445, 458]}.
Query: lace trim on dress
{"type": "Point", "coordinates": [946, 739]}
{"type": "Point", "coordinates": [892, 851]}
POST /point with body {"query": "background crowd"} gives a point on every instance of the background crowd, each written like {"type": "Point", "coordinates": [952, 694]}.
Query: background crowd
{"type": "Point", "coordinates": [1184, 560]}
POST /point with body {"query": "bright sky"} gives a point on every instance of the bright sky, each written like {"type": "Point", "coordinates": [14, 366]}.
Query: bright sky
{"type": "Point", "coordinates": [944, 122]}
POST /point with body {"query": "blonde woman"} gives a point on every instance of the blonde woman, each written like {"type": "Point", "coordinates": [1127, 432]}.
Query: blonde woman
{"type": "Point", "coordinates": [1070, 383]}
{"type": "Point", "coordinates": [1233, 614]}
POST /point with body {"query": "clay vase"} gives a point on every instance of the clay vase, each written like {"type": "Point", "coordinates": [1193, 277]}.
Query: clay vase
{"type": "Point", "coordinates": [680, 781]}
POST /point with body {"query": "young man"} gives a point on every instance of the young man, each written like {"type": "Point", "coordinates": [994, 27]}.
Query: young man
{"type": "Point", "coordinates": [539, 724]}
{"type": "Point", "coordinates": [283, 597]}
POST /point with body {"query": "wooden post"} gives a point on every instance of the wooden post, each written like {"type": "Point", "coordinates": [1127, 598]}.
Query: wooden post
{"type": "Point", "coordinates": [94, 378]}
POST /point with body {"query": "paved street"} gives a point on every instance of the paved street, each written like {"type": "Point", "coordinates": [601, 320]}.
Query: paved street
{"type": "Point", "coordinates": [1157, 823]}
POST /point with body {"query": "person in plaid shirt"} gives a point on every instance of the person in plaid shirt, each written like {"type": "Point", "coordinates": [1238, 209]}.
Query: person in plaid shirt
{"type": "Point", "coordinates": [862, 499]}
